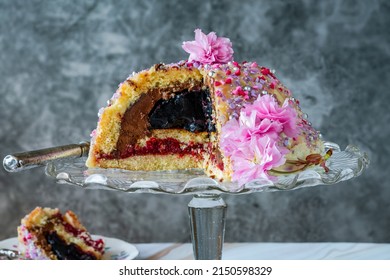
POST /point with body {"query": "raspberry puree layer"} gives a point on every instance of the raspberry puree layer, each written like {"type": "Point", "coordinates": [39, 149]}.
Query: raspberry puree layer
{"type": "Point", "coordinates": [158, 146]}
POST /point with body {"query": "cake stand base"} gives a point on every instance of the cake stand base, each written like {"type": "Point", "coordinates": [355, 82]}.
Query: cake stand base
{"type": "Point", "coordinates": [207, 220]}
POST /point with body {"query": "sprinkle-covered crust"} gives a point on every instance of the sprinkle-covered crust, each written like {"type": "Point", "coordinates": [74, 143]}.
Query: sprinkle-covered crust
{"type": "Point", "coordinates": [47, 234]}
{"type": "Point", "coordinates": [258, 130]}
{"type": "Point", "coordinates": [242, 92]}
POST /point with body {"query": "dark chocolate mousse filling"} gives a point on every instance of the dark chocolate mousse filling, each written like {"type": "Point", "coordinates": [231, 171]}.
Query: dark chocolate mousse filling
{"type": "Point", "coordinates": [186, 106]}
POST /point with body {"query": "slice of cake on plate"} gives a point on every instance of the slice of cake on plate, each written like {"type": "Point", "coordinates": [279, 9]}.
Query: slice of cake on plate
{"type": "Point", "coordinates": [47, 234]}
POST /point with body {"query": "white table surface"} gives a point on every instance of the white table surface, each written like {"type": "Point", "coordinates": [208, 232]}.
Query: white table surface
{"type": "Point", "coordinates": [271, 251]}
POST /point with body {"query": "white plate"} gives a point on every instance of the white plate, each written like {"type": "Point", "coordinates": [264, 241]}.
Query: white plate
{"type": "Point", "coordinates": [116, 249]}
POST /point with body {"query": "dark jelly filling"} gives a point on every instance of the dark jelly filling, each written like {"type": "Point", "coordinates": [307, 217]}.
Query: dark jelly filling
{"type": "Point", "coordinates": [190, 110]}
{"type": "Point", "coordinates": [65, 251]}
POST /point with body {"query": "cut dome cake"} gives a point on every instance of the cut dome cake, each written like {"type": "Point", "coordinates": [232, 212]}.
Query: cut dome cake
{"type": "Point", "coordinates": [47, 234]}
{"type": "Point", "coordinates": [237, 121]}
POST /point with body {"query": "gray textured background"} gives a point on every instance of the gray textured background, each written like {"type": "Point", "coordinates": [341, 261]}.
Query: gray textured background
{"type": "Point", "coordinates": [61, 60]}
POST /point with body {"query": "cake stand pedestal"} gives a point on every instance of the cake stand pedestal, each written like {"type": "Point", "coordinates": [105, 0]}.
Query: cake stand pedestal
{"type": "Point", "coordinates": [207, 210]}
{"type": "Point", "coordinates": [207, 219]}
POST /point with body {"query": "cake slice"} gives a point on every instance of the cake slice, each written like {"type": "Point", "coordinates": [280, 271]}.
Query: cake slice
{"type": "Point", "coordinates": [236, 121]}
{"type": "Point", "coordinates": [47, 234]}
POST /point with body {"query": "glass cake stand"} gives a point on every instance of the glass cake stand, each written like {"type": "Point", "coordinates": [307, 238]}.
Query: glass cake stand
{"type": "Point", "coordinates": [207, 209]}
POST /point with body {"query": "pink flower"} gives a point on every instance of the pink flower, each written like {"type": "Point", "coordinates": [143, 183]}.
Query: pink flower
{"type": "Point", "coordinates": [255, 157]}
{"type": "Point", "coordinates": [267, 108]}
{"type": "Point", "coordinates": [209, 48]}
{"type": "Point", "coordinates": [232, 135]}
{"type": "Point", "coordinates": [252, 141]}
{"type": "Point", "coordinates": [257, 126]}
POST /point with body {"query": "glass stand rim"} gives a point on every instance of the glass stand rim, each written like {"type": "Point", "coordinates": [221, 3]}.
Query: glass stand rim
{"type": "Point", "coordinates": [343, 165]}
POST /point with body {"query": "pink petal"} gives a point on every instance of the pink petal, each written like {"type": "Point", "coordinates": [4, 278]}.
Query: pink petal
{"type": "Point", "coordinates": [201, 38]}
{"type": "Point", "coordinates": [212, 38]}
{"type": "Point", "coordinates": [195, 51]}
{"type": "Point", "coordinates": [192, 47]}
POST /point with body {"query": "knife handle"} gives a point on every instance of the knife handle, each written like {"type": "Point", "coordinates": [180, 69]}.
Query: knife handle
{"type": "Point", "coordinates": [26, 160]}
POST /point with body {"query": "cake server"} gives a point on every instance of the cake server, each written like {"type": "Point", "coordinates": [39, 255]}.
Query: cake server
{"type": "Point", "coordinates": [8, 254]}
{"type": "Point", "coordinates": [26, 160]}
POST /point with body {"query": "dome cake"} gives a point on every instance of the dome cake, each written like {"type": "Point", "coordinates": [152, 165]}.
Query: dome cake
{"type": "Point", "coordinates": [235, 120]}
